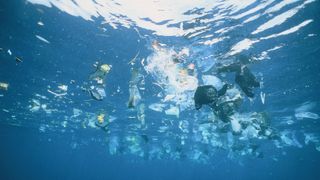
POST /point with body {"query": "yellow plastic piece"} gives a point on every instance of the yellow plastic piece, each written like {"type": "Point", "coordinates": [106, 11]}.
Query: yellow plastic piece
{"type": "Point", "coordinates": [105, 68]}
{"type": "Point", "coordinates": [101, 118]}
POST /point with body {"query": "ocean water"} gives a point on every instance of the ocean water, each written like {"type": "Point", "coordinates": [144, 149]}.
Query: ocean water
{"type": "Point", "coordinates": [99, 89]}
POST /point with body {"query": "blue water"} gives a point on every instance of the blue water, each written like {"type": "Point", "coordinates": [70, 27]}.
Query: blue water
{"type": "Point", "coordinates": [54, 142]}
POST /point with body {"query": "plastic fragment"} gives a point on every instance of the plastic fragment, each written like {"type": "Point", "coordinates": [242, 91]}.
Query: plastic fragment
{"type": "Point", "coordinates": [98, 93]}
{"type": "Point", "coordinates": [18, 59]}
{"type": "Point", "coordinates": [263, 97]}
{"type": "Point", "coordinates": [63, 87]}
{"type": "Point", "coordinates": [42, 39]}
{"type": "Point", "coordinates": [157, 107]}
{"type": "Point", "coordinates": [4, 86]}
{"type": "Point", "coordinates": [306, 115]}
{"type": "Point", "coordinates": [40, 23]}
{"type": "Point", "coordinates": [56, 94]}
{"type": "Point", "coordinates": [105, 68]}
{"type": "Point", "coordinates": [173, 110]}
{"type": "Point", "coordinates": [236, 126]}
{"type": "Point", "coordinates": [76, 112]}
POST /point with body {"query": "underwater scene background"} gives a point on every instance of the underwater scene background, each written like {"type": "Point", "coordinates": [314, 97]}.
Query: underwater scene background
{"type": "Point", "coordinates": [120, 89]}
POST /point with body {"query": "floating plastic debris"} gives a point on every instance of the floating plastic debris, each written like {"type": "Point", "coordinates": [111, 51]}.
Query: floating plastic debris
{"type": "Point", "coordinates": [35, 106]}
{"type": "Point", "coordinates": [200, 134]}
{"type": "Point", "coordinates": [234, 95]}
{"type": "Point", "coordinates": [168, 73]}
{"type": "Point", "coordinates": [157, 107]}
{"type": "Point", "coordinates": [18, 59]}
{"type": "Point", "coordinates": [191, 66]}
{"type": "Point", "coordinates": [287, 120]}
{"type": "Point", "coordinates": [9, 52]}
{"type": "Point", "coordinates": [141, 115]}
{"type": "Point", "coordinates": [97, 79]}
{"type": "Point", "coordinates": [64, 124]}
{"type": "Point", "coordinates": [133, 61]}
{"type": "Point", "coordinates": [173, 110]}
{"type": "Point", "coordinates": [183, 126]}
{"type": "Point", "coordinates": [112, 118]}
{"type": "Point", "coordinates": [167, 69]}
{"type": "Point", "coordinates": [263, 97]}
{"type": "Point", "coordinates": [250, 132]}
{"type": "Point", "coordinates": [236, 126]}
{"type": "Point", "coordinates": [41, 96]}
{"type": "Point", "coordinates": [306, 115]}
{"type": "Point", "coordinates": [168, 97]}
{"type": "Point", "coordinates": [4, 86]}
{"type": "Point", "coordinates": [134, 96]}
{"type": "Point", "coordinates": [98, 93]}
{"type": "Point", "coordinates": [309, 137]}
{"type": "Point", "coordinates": [105, 68]}
{"type": "Point", "coordinates": [91, 120]}
{"type": "Point", "coordinates": [40, 23]}
{"type": "Point", "coordinates": [102, 120]}
{"type": "Point", "coordinates": [289, 138]}
{"type": "Point", "coordinates": [56, 94]}
{"type": "Point", "coordinates": [45, 109]}
{"type": "Point", "coordinates": [63, 87]}
{"type": "Point", "coordinates": [303, 111]}
{"type": "Point", "coordinates": [306, 106]}
{"type": "Point", "coordinates": [42, 128]}
{"type": "Point", "coordinates": [42, 39]}
{"type": "Point", "coordinates": [76, 112]}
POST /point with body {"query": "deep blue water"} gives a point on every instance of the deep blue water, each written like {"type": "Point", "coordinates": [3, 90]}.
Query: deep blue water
{"type": "Point", "coordinates": [61, 145]}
